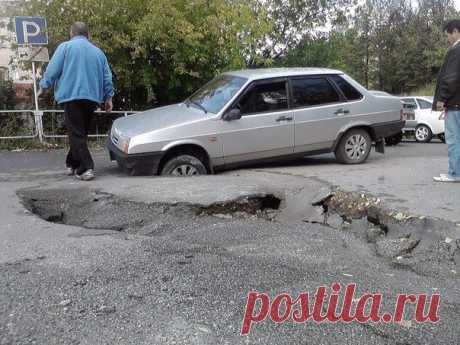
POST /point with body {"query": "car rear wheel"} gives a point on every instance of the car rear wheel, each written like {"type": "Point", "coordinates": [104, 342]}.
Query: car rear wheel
{"type": "Point", "coordinates": [423, 134]}
{"type": "Point", "coordinates": [184, 165]}
{"type": "Point", "coordinates": [354, 147]}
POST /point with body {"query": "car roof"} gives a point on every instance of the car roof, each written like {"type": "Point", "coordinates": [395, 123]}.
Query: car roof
{"type": "Point", "coordinates": [263, 73]}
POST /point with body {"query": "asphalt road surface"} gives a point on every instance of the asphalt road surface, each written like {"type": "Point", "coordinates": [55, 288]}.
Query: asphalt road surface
{"type": "Point", "coordinates": [148, 260]}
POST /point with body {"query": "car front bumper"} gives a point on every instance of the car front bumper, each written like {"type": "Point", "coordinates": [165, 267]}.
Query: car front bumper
{"type": "Point", "coordinates": [147, 163]}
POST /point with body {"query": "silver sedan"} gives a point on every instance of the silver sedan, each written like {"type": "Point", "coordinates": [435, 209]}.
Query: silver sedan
{"type": "Point", "coordinates": [257, 115]}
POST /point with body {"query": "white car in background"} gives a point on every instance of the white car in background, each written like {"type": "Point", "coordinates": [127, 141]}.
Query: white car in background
{"type": "Point", "coordinates": [428, 123]}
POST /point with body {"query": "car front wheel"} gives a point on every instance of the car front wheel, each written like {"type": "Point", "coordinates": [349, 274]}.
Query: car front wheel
{"type": "Point", "coordinates": [423, 134]}
{"type": "Point", "coordinates": [184, 165]}
{"type": "Point", "coordinates": [354, 147]}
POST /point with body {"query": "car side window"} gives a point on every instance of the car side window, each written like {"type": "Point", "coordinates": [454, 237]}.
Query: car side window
{"type": "Point", "coordinates": [269, 97]}
{"type": "Point", "coordinates": [312, 91]}
{"type": "Point", "coordinates": [424, 104]}
{"type": "Point", "coordinates": [348, 90]}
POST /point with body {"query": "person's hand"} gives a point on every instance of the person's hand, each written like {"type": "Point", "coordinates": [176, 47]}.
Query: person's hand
{"type": "Point", "coordinates": [440, 106]}
{"type": "Point", "coordinates": [443, 115]}
{"type": "Point", "coordinates": [108, 105]}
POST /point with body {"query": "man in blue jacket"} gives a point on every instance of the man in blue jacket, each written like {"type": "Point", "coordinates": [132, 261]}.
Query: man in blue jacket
{"type": "Point", "coordinates": [81, 78]}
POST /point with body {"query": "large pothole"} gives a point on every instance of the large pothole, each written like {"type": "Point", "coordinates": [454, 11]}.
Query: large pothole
{"type": "Point", "coordinates": [98, 210]}
{"type": "Point", "coordinates": [423, 245]}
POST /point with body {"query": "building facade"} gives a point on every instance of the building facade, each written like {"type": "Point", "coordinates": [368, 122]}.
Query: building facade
{"type": "Point", "coordinates": [10, 66]}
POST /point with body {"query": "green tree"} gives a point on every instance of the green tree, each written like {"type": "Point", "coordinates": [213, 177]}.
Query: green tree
{"type": "Point", "coordinates": [296, 21]}
{"type": "Point", "coordinates": [401, 44]}
{"type": "Point", "coordinates": [161, 50]}
{"type": "Point", "coordinates": [323, 51]}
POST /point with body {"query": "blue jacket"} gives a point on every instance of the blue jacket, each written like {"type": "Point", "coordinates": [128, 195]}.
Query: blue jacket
{"type": "Point", "coordinates": [78, 70]}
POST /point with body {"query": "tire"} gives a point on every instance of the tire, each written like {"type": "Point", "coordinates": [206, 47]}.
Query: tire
{"type": "Point", "coordinates": [184, 165]}
{"type": "Point", "coordinates": [354, 147]}
{"type": "Point", "coordinates": [124, 169]}
{"type": "Point", "coordinates": [394, 139]}
{"type": "Point", "coordinates": [423, 134]}
{"type": "Point", "coordinates": [442, 137]}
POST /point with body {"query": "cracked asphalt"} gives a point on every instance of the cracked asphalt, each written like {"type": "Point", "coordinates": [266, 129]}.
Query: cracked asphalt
{"type": "Point", "coordinates": [173, 276]}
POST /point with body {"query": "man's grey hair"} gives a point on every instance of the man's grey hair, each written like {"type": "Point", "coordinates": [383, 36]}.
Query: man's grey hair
{"type": "Point", "coordinates": [79, 29]}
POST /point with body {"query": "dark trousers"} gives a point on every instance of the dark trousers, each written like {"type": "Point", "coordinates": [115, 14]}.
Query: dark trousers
{"type": "Point", "coordinates": [78, 117]}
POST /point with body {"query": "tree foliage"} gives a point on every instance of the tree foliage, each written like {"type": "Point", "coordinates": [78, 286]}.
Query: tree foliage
{"type": "Point", "coordinates": [162, 50]}
{"type": "Point", "coordinates": [392, 45]}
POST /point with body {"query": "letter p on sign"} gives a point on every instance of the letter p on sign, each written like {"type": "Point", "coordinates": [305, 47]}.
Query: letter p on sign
{"type": "Point", "coordinates": [31, 30]}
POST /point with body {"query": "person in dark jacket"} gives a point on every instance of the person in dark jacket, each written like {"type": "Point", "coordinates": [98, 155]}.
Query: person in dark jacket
{"type": "Point", "coordinates": [447, 99]}
{"type": "Point", "coordinates": [81, 78]}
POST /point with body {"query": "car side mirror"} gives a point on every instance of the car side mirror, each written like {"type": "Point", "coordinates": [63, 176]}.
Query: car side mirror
{"type": "Point", "coordinates": [234, 114]}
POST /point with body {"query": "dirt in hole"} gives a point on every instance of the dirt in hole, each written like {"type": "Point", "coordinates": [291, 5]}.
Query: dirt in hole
{"type": "Point", "coordinates": [425, 245]}
{"type": "Point", "coordinates": [260, 205]}
{"type": "Point", "coordinates": [97, 210]}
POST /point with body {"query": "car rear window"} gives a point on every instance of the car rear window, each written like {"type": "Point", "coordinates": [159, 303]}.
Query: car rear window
{"type": "Point", "coordinates": [424, 104]}
{"type": "Point", "coordinates": [312, 91]}
{"type": "Point", "coordinates": [348, 90]}
{"type": "Point", "coordinates": [410, 102]}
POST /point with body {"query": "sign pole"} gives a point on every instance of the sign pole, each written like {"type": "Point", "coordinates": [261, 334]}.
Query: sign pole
{"type": "Point", "coordinates": [30, 32]}
{"type": "Point", "coordinates": [37, 112]}
{"type": "Point", "coordinates": [35, 85]}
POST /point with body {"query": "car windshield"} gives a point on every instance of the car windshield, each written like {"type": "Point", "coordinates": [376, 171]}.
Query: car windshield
{"type": "Point", "coordinates": [213, 96]}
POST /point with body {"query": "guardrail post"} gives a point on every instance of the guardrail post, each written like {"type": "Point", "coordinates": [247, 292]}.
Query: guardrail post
{"type": "Point", "coordinates": [38, 115]}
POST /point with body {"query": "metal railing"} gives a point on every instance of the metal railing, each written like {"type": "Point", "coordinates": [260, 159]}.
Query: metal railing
{"type": "Point", "coordinates": [22, 122]}
{"type": "Point", "coordinates": [49, 124]}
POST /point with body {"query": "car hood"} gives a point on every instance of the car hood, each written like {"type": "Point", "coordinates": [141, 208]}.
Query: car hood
{"type": "Point", "coordinates": [158, 118]}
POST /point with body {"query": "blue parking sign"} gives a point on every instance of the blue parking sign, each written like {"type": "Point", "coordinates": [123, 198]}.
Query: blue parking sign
{"type": "Point", "coordinates": [31, 30]}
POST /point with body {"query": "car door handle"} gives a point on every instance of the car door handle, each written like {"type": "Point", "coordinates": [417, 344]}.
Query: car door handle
{"type": "Point", "coordinates": [284, 118]}
{"type": "Point", "coordinates": [342, 112]}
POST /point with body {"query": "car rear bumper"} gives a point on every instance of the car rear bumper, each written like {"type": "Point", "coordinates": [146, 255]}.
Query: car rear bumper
{"type": "Point", "coordinates": [410, 125]}
{"type": "Point", "coordinates": [140, 162]}
{"type": "Point", "coordinates": [387, 129]}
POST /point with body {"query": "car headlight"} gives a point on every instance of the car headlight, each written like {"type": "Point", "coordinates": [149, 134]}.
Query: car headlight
{"type": "Point", "coordinates": [120, 140]}
{"type": "Point", "coordinates": [124, 144]}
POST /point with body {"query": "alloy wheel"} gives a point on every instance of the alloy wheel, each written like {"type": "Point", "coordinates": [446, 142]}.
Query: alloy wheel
{"type": "Point", "coordinates": [356, 146]}
{"type": "Point", "coordinates": [422, 133]}
{"type": "Point", "coordinates": [185, 170]}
